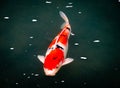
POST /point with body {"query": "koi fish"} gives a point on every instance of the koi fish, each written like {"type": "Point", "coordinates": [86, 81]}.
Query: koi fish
{"type": "Point", "coordinates": [55, 56]}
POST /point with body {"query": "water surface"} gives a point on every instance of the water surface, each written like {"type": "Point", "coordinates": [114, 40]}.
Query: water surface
{"type": "Point", "coordinates": [28, 26]}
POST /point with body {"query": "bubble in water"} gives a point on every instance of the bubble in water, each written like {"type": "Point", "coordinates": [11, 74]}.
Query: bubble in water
{"type": "Point", "coordinates": [57, 7]}
{"type": "Point", "coordinates": [72, 34]}
{"type": "Point", "coordinates": [62, 81]}
{"type": "Point", "coordinates": [30, 44]}
{"type": "Point", "coordinates": [79, 12]}
{"type": "Point", "coordinates": [83, 58]}
{"type": "Point", "coordinates": [36, 74]}
{"type": "Point", "coordinates": [24, 74]}
{"type": "Point", "coordinates": [6, 18]}
{"type": "Point", "coordinates": [28, 77]}
{"type": "Point", "coordinates": [48, 2]}
{"type": "Point", "coordinates": [96, 41]}
{"type": "Point", "coordinates": [31, 37]}
{"type": "Point", "coordinates": [69, 6]}
{"type": "Point", "coordinates": [11, 48]}
{"type": "Point", "coordinates": [32, 73]}
{"type": "Point", "coordinates": [34, 55]}
{"type": "Point", "coordinates": [16, 83]}
{"type": "Point", "coordinates": [34, 20]}
{"type": "Point", "coordinates": [70, 3]}
{"type": "Point", "coordinates": [84, 83]}
{"type": "Point", "coordinates": [56, 82]}
{"type": "Point", "coordinates": [76, 44]}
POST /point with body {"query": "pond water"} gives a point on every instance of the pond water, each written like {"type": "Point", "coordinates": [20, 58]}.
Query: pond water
{"type": "Point", "coordinates": [28, 26]}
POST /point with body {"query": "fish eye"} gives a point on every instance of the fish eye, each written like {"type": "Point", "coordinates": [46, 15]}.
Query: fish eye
{"type": "Point", "coordinates": [68, 28]}
{"type": "Point", "coordinates": [57, 67]}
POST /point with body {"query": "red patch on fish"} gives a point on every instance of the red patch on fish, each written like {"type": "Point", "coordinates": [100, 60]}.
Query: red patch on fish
{"type": "Point", "coordinates": [54, 58]}
{"type": "Point", "coordinates": [64, 37]}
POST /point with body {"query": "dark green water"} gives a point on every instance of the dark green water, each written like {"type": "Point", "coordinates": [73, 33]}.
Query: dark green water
{"type": "Point", "coordinates": [21, 40]}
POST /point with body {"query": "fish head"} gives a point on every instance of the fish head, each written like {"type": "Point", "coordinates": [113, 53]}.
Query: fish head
{"type": "Point", "coordinates": [52, 67]}
{"type": "Point", "coordinates": [51, 72]}
{"type": "Point", "coordinates": [53, 63]}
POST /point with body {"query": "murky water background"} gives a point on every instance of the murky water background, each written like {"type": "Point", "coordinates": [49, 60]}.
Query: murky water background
{"type": "Point", "coordinates": [28, 26]}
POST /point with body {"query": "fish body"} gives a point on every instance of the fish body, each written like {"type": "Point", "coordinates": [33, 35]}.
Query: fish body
{"type": "Point", "coordinates": [55, 56]}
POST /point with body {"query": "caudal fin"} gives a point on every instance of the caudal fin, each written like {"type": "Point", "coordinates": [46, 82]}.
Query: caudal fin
{"type": "Point", "coordinates": [64, 17]}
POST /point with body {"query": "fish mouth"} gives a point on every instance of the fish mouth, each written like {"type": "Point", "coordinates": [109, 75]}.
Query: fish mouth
{"type": "Point", "coordinates": [50, 72]}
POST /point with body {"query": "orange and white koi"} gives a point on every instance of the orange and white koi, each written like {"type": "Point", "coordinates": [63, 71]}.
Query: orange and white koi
{"type": "Point", "coordinates": [55, 56]}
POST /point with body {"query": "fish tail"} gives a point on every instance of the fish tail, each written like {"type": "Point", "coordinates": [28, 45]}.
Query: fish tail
{"type": "Point", "coordinates": [65, 18]}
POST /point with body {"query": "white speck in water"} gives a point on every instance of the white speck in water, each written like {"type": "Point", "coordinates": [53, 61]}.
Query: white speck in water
{"type": "Point", "coordinates": [34, 20]}
{"type": "Point", "coordinates": [11, 48]}
{"type": "Point", "coordinates": [57, 7]}
{"type": "Point", "coordinates": [48, 2]}
{"type": "Point", "coordinates": [30, 44]}
{"type": "Point", "coordinates": [28, 77]}
{"type": "Point", "coordinates": [79, 12]}
{"type": "Point", "coordinates": [76, 44]}
{"type": "Point", "coordinates": [70, 3]}
{"type": "Point", "coordinates": [56, 82]}
{"type": "Point", "coordinates": [6, 18]}
{"type": "Point", "coordinates": [34, 55]}
{"type": "Point", "coordinates": [51, 21]}
{"type": "Point", "coordinates": [32, 73]}
{"type": "Point", "coordinates": [24, 74]}
{"type": "Point", "coordinates": [96, 41]}
{"type": "Point", "coordinates": [31, 37]}
{"type": "Point", "coordinates": [36, 74]}
{"type": "Point", "coordinates": [72, 34]}
{"type": "Point", "coordinates": [84, 58]}
{"type": "Point", "coordinates": [69, 6]}
{"type": "Point", "coordinates": [62, 81]}
{"type": "Point", "coordinates": [84, 83]}
{"type": "Point", "coordinates": [16, 83]}
{"type": "Point", "coordinates": [118, 0]}
{"type": "Point", "coordinates": [26, 51]}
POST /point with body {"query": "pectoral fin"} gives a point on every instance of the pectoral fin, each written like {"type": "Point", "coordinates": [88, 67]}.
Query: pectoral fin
{"type": "Point", "coordinates": [67, 61]}
{"type": "Point", "coordinates": [41, 58]}
{"type": "Point", "coordinates": [72, 34]}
